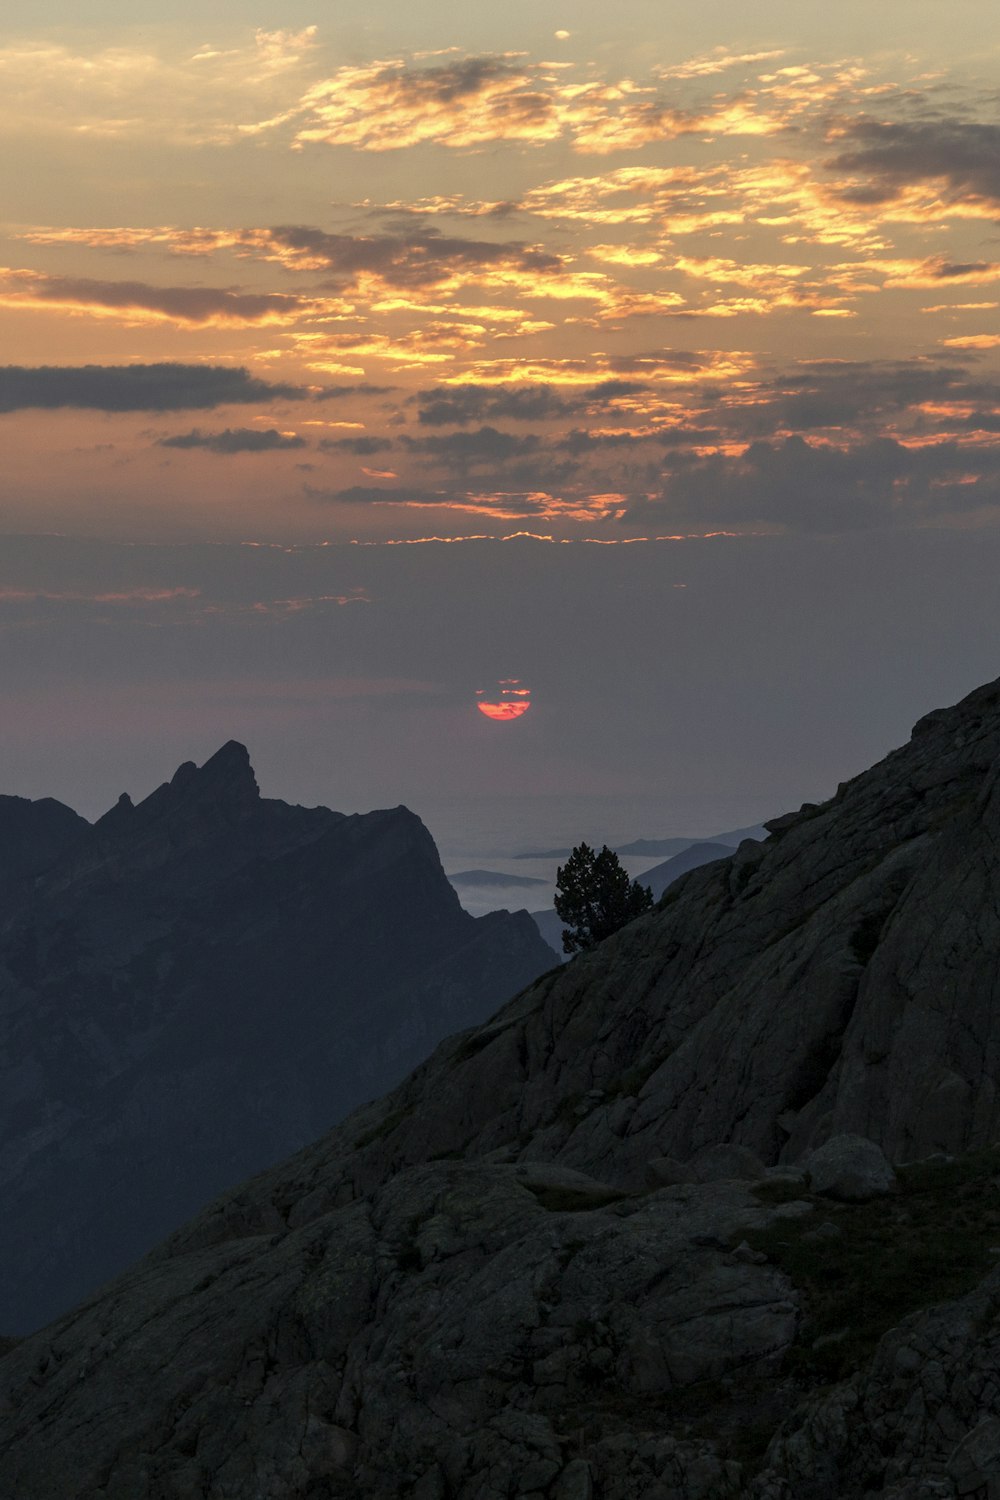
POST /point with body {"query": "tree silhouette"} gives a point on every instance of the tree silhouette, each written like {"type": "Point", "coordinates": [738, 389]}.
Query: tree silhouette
{"type": "Point", "coordinates": [595, 897]}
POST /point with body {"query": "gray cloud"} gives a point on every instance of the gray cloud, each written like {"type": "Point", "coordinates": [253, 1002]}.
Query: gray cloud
{"type": "Point", "coordinates": [364, 447]}
{"type": "Point", "coordinates": [459, 406]}
{"type": "Point", "coordinates": [486, 444]}
{"type": "Point", "coordinates": [187, 304]}
{"type": "Point", "coordinates": [581, 441]}
{"type": "Point", "coordinates": [965, 154]}
{"type": "Point", "coordinates": [123, 388]}
{"type": "Point", "coordinates": [345, 392]}
{"type": "Point", "coordinates": [861, 394]}
{"type": "Point", "coordinates": [419, 258]}
{"type": "Point", "coordinates": [812, 488]}
{"type": "Point", "coordinates": [234, 440]}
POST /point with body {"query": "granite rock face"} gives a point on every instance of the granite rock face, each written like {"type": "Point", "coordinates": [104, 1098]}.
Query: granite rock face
{"type": "Point", "coordinates": [197, 985]}
{"type": "Point", "coordinates": [448, 1333]}
{"type": "Point", "coordinates": [578, 1254]}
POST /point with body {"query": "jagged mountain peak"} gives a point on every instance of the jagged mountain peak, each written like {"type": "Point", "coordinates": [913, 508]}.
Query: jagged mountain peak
{"type": "Point", "coordinates": [225, 780]}
{"type": "Point", "coordinates": [206, 980]}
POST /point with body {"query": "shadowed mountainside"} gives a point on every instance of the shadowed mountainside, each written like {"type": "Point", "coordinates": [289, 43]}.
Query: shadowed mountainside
{"type": "Point", "coordinates": [635, 1236]}
{"type": "Point", "coordinates": [195, 986]}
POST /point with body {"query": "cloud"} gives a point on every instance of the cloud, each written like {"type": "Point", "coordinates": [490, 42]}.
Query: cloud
{"type": "Point", "coordinates": [719, 60]}
{"type": "Point", "coordinates": [901, 397]}
{"type": "Point", "coordinates": [796, 485]}
{"type": "Point", "coordinates": [384, 106]}
{"type": "Point", "coordinates": [122, 91]}
{"type": "Point", "coordinates": [486, 445]}
{"type": "Point", "coordinates": [346, 392]}
{"type": "Point", "coordinates": [422, 258]}
{"type": "Point", "coordinates": [363, 447]}
{"type": "Point", "coordinates": [418, 257]}
{"type": "Point", "coordinates": [123, 388]}
{"type": "Point", "coordinates": [580, 441]}
{"type": "Point", "coordinates": [974, 341]}
{"type": "Point", "coordinates": [373, 494]}
{"type": "Point", "coordinates": [507, 504]}
{"type": "Point", "coordinates": [664, 367]}
{"type": "Point", "coordinates": [235, 440]}
{"type": "Point", "coordinates": [963, 154]}
{"type": "Point", "coordinates": [477, 100]}
{"type": "Point", "coordinates": [137, 300]}
{"type": "Point", "coordinates": [460, 405]}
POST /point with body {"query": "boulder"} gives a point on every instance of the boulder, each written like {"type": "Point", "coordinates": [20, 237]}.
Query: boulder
{"type": "Point", "coordinates": [665, 1171]}
{"type": "Point", "coordinates": [851, 1168]}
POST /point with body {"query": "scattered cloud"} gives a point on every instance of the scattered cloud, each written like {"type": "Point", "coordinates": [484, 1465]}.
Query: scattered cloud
{"type": "Point", "coordinates": [719, 60]}
{"type": "Point", "coordinates": [469, 102]}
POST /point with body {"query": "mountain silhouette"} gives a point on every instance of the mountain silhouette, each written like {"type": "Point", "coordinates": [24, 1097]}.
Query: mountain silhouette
{"type": "Point", "coordinates": [198, 984]}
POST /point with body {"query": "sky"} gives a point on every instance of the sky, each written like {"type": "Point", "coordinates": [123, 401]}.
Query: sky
{"type": "Point", "coordinates": [635, 365]}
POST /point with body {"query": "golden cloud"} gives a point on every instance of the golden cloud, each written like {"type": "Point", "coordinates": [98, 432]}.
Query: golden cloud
{"type": "Point", "coordinates": [468, 102]}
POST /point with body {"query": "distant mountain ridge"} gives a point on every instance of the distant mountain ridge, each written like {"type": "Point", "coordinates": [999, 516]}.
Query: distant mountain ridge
{"type": "Point", "coordinates": [663, 848]}
{"type": "Point", "coordinates": [197, 984]}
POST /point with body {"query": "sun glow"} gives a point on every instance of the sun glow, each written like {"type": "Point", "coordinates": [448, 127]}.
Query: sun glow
{"type": "Point", "coordinates": [510, 699]}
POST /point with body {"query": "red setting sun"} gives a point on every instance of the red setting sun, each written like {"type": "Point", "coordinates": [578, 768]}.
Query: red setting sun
{"type": "Point", "coordinates": [508, 700]}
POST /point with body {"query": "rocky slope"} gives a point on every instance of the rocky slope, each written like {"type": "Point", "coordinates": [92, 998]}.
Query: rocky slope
{"type": "Point", "coordinates": [197, 985]}
{"type": "Point", "coordinates": [636, 1236]}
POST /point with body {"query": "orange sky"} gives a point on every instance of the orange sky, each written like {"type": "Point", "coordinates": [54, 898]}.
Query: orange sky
{"type": "Point", "coordinates": [337, 281]}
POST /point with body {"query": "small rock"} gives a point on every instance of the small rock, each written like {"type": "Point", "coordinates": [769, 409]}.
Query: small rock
{"type": "Point", "coordinates": [745, 1255]}
{"type": "Point", "coordinates": [825, 1231]}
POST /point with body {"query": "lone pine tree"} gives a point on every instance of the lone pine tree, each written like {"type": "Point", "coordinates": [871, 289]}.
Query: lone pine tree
{"type": "Point", "coordinates": [595, 897]}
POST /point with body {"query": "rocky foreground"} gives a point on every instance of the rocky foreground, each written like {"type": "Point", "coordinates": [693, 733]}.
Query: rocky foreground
{"type": "Point", "coordinates": [710, 1213]}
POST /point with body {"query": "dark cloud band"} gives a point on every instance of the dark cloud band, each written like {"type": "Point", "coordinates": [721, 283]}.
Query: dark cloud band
{"type": "Point", "coordinates": [124, 388]}
{"type": "Point", "coordinates": [235, 440]}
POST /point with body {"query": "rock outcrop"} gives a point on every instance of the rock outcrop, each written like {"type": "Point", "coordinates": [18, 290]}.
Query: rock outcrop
{"type": "Point", "coordinates": [197, 985]}
{"type": "Point", "coordinates": [579, 1253]}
